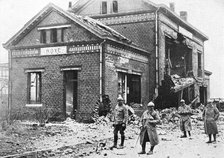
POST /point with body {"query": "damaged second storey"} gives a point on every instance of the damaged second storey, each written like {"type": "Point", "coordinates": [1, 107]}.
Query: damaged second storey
{"type": "Point", "coordinates": [176, 47]}
{"type": "Point", "coordinates": [66, 63]}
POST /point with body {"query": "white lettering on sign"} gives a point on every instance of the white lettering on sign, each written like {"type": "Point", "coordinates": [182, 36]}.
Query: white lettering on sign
{"type": "Point", "coordinates": [53, 50]}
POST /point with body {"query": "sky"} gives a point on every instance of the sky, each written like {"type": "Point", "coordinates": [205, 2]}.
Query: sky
{"type": "Point", "coordinates": [205, 15]}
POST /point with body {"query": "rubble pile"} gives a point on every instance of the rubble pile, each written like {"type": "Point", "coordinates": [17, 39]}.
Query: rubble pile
{"type": "Point", "coordinates": [221, 117]}
{"type": "Point", "coordinates": [134, 119]}
{"type": "Point", "coordinates": [169, 115]}
{"type": "Point", "coordinates": [103, 120]}
{"type": "Point", "coordinates": [72, 138]}
{"type": "Point", "coordinates": [179, 82]}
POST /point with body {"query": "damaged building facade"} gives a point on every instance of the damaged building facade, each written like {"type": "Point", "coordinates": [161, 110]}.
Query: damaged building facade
{"type": "Point", "coordinates": [176, 47]}
{"type": "Point", "coordinates": [63, 64]}
{"type": "Point", "coordinates": [66, 61]}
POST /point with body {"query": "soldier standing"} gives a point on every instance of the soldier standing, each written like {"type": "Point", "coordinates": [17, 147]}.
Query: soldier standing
{"type": "Point", "coordinates": [210, 116]}
{"type": "Point", "coordinates": [185, 119]}
{"type": "Point", "coordinates": [120, 116]}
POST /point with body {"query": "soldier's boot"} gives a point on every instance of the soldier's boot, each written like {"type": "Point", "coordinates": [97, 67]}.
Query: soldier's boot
{"type": "Point", "coordinates": [189, 133]}
{"type": "Point", "coordinates": [115, 142]}
{"type": "Point", "coordinates": [151, 150]}
{"type": "Point", "coordinates": [143, 149]}
{"type": "Point", "coordinates": [214, 136]}
{"type": "Point", "coordinates": [122, 142]}
{"type": "Point", "coordinates": [185, 135]}
{"type": "Point", "coordinates": [210, 139]}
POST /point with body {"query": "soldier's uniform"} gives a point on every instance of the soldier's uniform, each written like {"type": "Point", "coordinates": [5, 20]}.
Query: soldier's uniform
{"type": "Point", "coordinates": [120, 116]}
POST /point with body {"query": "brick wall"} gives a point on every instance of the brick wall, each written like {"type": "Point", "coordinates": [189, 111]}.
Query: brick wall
{"type": "Point", "coordinates": [143, 34]}
{"type": "Point", "coordinates": [73, 34]}
{"type": "Point", "coordinates": [52, 80]}
{"type": "Point", "coordinates": [112, 63]}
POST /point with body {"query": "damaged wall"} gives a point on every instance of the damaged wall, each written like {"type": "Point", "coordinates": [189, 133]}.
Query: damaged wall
{"type": "Point", "coordinates": [117, 60]}
{"type": "Point", "coordinates": [183, 55]}
{"type": "Point", "coordinates": [140, 28]}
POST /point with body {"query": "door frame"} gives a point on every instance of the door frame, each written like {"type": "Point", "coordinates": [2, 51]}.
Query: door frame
{"type": "Point", "coordinates": [64, 93]}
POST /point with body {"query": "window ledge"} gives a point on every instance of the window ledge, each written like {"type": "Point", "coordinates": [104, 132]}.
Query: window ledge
{"type": "Point", "coordinates": [34, 105]}
{"type": "Point", "coordinates": [34, 70]}
{"type": "Point", "coordinates": [53, 27]}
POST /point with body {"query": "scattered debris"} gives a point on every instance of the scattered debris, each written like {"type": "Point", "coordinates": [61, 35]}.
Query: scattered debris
{"type": "Point", "coordinates": [78, 139]}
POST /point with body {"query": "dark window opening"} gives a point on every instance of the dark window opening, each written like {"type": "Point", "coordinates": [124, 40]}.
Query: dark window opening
{"type": "Point", "coordinates": [129, 86]}
{"type": "Point", "coordinates": [62, 34]}
{"type": "Point", "coordinates": [34, 87]}
{"type": "Point", "coordinates": [115, 6]}
{"type": "Point", "coordinates": [188, 61]}
{"type": "Point", "coordinates": [178, 58]}
{"type": "Point", "coordinates": [104, 7]}
{"type": "Point", "coordinates": [134, 87]}
{"type": "Point", "coordinates": [199, 65]}
{"type": "Point", "coordinates": [203, 95]}
{"type": "Point", "coordinates": [43, 36]}
{"type": "Point", "coordinates": [199, 61]}
{"type": "Point", "coordinates": [53, 35]}
{"type": "Point", "coordinates": [168, 63]}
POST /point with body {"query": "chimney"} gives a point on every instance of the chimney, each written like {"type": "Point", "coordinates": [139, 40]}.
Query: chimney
{"type": "Point", "coordinates": [183, 15]}
{"type": "Point", "coordinates": [172, 6]}
{"type": "Point", "coordinates": [70, 5]}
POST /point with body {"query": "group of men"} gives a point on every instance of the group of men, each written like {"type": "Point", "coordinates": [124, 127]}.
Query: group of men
{"type": "Point", "coordinates": [148, 132]}
{"type": "Point", "coordinates": [150, 119]}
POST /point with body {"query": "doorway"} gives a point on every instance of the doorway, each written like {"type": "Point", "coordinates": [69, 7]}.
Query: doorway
{"type": "Point", "coordinates": [71, 93]}
{"type": "Point", "coordinates": [134, 86]}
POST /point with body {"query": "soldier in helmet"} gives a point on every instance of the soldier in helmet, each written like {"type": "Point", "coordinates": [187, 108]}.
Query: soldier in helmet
{"type": "Point", "coordinates": [185, 119]}
{"type": "Point", "coordinates": [120, 116]}
{"type": "Point", "coordinates": [149, 120]}
{"type": "Point", "coordinates": [210, 116]}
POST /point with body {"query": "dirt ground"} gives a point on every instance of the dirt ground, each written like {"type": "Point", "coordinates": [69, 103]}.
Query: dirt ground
{"type": "Point", "coordinates": [172, 146]}
{"type": "Point", "coordinates": [71, 139]}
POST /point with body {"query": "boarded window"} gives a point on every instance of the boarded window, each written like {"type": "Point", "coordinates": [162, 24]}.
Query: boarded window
{"type": "Point", "coordinates": [53, 35]}
{"type": "Point", "coordinates": [43, 36]}
{"type": "Point", "coordinates": [115, 6]}
{"type": "Point", "coordinates": [34, 87]}
{"type": "Point", "coordinates": [104, 7]}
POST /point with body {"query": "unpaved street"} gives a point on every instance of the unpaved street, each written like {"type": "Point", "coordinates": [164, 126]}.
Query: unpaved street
{"type": "Point", "coordinates": [70, 139]}
{"type": "Point", "coordinates": [172, 146]}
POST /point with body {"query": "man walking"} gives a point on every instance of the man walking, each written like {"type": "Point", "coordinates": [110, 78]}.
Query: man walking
{"type": "Point", "coordinates": [149, 120]}
{"type": "Point", "coordinates": [120, 116]}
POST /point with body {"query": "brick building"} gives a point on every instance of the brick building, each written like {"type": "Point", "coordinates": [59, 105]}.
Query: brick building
{"type": "Point", "coordinates": [176, 47]}
{"type": "Point", "coordinates": [66, 63]}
